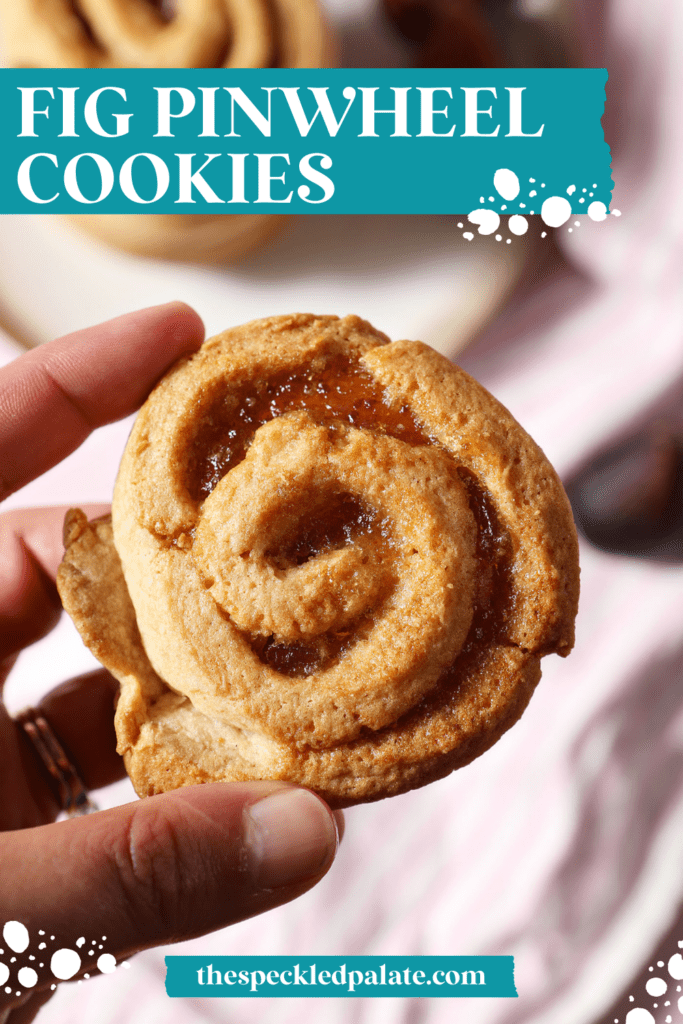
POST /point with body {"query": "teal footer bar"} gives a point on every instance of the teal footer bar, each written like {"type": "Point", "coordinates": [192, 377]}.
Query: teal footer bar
{"type": "Point", "coordinates": [445, 977]}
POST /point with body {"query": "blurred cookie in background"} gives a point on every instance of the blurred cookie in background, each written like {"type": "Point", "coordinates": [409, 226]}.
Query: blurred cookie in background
{"type": "Point", "coordinates": [139, 34]}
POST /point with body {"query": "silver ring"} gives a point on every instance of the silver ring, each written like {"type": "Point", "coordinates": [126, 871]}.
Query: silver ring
{"type": "Point", "coordinates": [72, 793]}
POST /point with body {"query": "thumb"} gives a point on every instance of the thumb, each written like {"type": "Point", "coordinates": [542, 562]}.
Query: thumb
{"type": "Point", "coordinates": [167, 868]}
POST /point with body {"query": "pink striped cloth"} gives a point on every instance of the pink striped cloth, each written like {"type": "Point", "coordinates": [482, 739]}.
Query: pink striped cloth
{"type": "Point", "coordinates": [563, 845]}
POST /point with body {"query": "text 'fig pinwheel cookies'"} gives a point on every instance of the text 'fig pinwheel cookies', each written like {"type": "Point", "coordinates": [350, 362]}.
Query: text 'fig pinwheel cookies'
{"type": "Point", "coordinates": [334, 560]}
{"type": "Point", "coordinates": [180, 34]}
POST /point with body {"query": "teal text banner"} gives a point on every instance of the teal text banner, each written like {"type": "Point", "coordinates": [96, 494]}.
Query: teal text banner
{"type": "Point", "coordinates": [340, 977]}
{"type": "Point", "coordinates": [301, 141]}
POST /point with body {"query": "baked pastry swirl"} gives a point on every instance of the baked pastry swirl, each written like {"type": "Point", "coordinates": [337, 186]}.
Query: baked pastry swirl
{"type": "Point", "coordinates": [187, 34]}
{"type": "Point", "coordinates": [334, 560]}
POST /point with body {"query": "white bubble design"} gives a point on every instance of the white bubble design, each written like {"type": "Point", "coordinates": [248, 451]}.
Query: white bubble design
{"type": "Point", "coordinates": [675, 966]}
{"type": "Point", "coordinates": [556, 211]}
{"type": "Point", "coordinates": [15, 935]}
{"type": "Point", "coordinates": [518, 225]}
{"type": "Point", "coordinates": [597, 211]}
{"type": "Point", "coordinates": [488, 220]}
{"type": "Point", "coordinates": [4, 973]}
{"type": "Point", "coordinates": [65, 963]}
{"type": "Point", "coordinates": [27, 977]}
{"type": "Point", "coordinates": [639, 1016]}
{"type": "Point", "coordinates": [506, 183]}
{"type": "Point", "coordinates": [655, 987]}
{"type": "Point", "coordinates": [106, 963]}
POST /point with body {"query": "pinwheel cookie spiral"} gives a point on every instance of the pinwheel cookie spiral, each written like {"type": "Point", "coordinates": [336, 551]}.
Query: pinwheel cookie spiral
{"type": "Point", "coordinates": [185, 34]}
{"type": "Point", "coordinates": [335, 560]}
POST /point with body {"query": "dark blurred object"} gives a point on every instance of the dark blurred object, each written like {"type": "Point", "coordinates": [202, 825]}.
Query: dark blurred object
{"type": "Point", "coordinates": [629, 498]}
{"type": "Point", "coordinates": [448, 33]}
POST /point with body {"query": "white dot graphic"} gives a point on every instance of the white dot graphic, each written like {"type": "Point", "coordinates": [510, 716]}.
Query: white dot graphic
{"type": "Point", "coordinates": [106, 963]}
{"type": "Point", "coordinates": [4, 973]}
{"type": "Point", "coordinates": [506, 183]}
{"type": "Point", "coordinates": [468, 235]}
{"type": "Point", "coordinates": [15, 935]}
{"type": "Point", "coordinates": [639, 1016]}
{"type": "Point", "coordinates": [80, 942]}
{"type": "Point", "coordinates": [518, 225]}
{"type": "Point", "coordinates": [597, 211]}
{"type": "Point", "coordinates": [571, 190]}
{"type": "Point", "coordinates": [556, 211]}
{"type": "Point", "coordinates": [655, 987]}
{"type": "Point", "coordinates": [488, 220]}
{"type": "Point", "coordinates": [676, 966]}
{"type": "Point", "coordinates": [27, 977]}
{"type": "Point", "coordinates": [65, 963]}
{"type": "Point", "coordinates": [680, 1005]}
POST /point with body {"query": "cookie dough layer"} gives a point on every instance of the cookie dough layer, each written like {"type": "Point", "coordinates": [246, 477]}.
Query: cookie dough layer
{"type": "Point", "coordinates": [335, 560]}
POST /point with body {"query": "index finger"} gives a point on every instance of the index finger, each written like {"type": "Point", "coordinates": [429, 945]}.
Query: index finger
{"type": "Point", "coordinates": [54, 396]}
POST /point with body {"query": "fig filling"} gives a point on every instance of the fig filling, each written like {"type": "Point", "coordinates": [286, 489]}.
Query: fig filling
{"type": "Point", "coordinates": [335, 389]}
{"type": "Point", "coordinates": [340, 390]}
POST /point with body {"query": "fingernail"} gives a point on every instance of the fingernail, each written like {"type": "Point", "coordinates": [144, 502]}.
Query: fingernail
{"type": "Point", "coordinates": [290, 837]}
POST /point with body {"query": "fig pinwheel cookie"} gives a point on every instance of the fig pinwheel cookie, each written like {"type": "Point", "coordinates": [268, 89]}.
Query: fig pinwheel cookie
{"type": "Point", "coordinates": [333, 560]}
{"type": "Point", "coordinates": [187, 34]}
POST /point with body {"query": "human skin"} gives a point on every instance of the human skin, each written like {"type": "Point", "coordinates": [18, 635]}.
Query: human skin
{"type": "Point", "coordinates": [162, 869]}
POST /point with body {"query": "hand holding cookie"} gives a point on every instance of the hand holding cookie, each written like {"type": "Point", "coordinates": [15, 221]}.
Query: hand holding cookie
{"type": "Point", "coordinates": [158, 870]}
